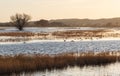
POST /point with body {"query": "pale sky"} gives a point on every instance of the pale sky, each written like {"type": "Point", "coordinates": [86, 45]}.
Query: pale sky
{"type": "Point", "coordinates": [59, 9]}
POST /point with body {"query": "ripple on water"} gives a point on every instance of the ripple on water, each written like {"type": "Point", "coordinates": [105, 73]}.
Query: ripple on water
{"type": "Point", "coordinates": [108, 70]}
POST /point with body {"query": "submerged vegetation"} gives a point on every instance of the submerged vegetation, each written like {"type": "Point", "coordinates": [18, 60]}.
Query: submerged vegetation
{"type": "Point", "coordinates": [16, 36]}
{"type": "Point", "coordinates": [31, 63]}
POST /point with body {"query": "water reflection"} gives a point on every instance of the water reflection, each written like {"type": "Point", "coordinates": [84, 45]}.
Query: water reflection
{"type": "Point", "coordinates": [108, 70]}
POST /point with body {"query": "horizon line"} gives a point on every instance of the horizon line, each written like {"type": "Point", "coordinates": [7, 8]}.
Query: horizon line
{"type": "Point", "coordinates": [68, 18]}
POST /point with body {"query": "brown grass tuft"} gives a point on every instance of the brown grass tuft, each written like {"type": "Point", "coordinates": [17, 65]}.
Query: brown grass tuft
{"type": "Point", "coordinates": [25, 63]}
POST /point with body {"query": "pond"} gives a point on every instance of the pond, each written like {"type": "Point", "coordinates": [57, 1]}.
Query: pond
{"type": "Point", "coordinates": [59, 47]}
{"type": "Point", "coordinates": [108, 70]}
{"type": "Point", "coordinates": [53, 29]}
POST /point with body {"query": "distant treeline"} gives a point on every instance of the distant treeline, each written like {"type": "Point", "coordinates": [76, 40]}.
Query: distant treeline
{"type": "Point", "coordinates": [40, 23]}
{"type": "Point", "coordinates": [112, 22]}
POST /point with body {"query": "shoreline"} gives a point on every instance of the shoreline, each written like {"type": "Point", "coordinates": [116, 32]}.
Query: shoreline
{"type": "Point", "coordinates": [61, 40]}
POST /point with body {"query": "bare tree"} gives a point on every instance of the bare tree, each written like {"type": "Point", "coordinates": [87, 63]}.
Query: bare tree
{"type": "Point", "coordinates": [20, 20]}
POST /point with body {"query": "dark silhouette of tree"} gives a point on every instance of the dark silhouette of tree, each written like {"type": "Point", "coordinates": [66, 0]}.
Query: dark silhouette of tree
{"type": "Point", "coordinates": [20, 20]}
{"type": "Point", "coordinates": [109, 24]}
{"type": "Point", "coordinates": [42, 23]}
{"type": "Point", "coordinates": [57, 24]}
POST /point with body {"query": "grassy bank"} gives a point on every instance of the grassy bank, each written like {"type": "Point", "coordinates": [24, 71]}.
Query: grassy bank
{"type": "Point", "coordinates": [23, 63]}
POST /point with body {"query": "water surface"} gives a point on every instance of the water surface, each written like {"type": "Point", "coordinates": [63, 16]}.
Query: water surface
{"type": "Point", "coordinates": [108, 70]}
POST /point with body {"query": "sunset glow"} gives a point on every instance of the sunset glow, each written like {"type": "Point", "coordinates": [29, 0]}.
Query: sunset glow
{"type": "Point", "coordinates": [59, 9]}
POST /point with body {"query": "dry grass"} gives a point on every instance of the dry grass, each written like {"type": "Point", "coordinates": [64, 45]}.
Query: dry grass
{"type": "Point", "coordinates": [85, 33]}
{"type": "Point", "coordinates": [22, 34]}
{"type": "Point", "coordinates": [23, 63]}
{"type": "Point", "coordinates": [15, 34]}
{"type": "Point", "coordinates": [70, 34]}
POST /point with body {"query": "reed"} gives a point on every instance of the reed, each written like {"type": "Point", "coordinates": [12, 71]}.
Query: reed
{"type": "Point", "coordinates": [28, 63]}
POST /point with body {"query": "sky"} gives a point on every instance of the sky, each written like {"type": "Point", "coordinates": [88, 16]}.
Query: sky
{"type": "Point", "coordinates": [60, 9]}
